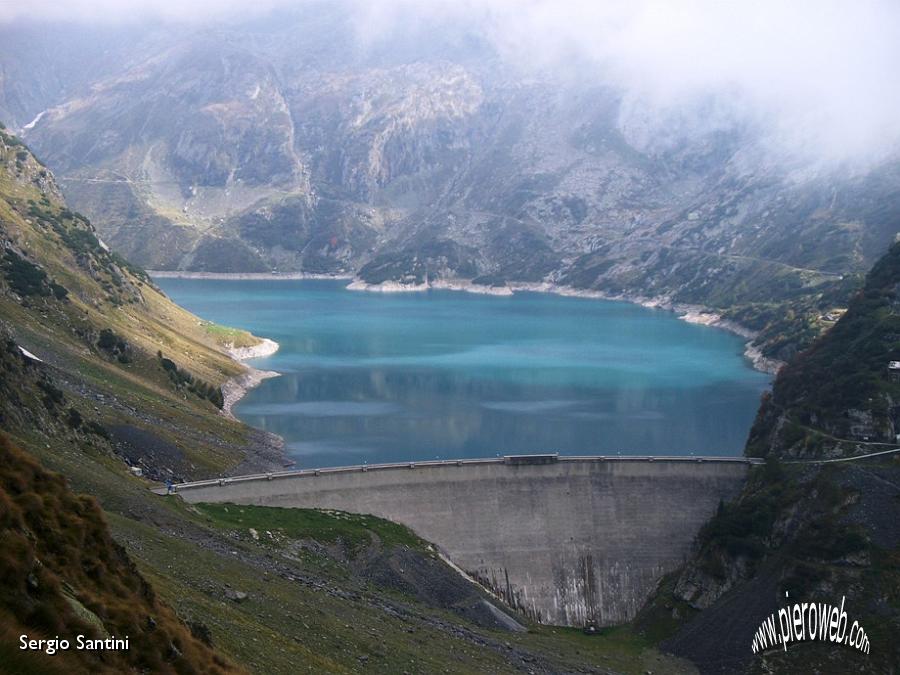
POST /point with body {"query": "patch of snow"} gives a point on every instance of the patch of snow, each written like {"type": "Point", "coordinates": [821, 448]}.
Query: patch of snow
{"type": "Point", "coordinates": [30, 125]}
{"type": "Point", "coordinates": [28, 355]}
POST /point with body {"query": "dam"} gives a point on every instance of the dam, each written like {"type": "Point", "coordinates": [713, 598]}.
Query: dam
{"type": "Point", "coordinates": [563, 540]}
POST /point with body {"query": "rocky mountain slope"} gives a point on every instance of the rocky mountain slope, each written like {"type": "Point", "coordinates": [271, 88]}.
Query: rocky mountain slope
{"type": "Point", "coordinates": [841, 396]}
{"type": "Point", "coordinates": [818, 531]}
{"type": "Point", "coordinates": [236, 147]}
{"type": "Point", "coordinates": [106, 382]}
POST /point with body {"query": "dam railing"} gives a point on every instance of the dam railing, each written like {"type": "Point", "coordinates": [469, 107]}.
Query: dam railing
{"type": "Point", "coordinates": [509, 460]}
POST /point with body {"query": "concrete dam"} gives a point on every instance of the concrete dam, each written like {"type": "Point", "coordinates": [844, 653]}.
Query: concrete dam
{"type": "Point", "coordinates": [563, 540]}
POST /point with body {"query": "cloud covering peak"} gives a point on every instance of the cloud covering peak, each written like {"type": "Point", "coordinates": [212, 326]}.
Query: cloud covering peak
{"type": "Point", "coordinates": [820, 77]}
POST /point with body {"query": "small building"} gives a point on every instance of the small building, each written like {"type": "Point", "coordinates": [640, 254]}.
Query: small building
{"type": "Point", "coordinates": [894, 370]}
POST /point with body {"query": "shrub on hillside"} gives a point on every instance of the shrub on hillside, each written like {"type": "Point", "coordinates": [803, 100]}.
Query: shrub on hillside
{"type": "Point", "coordinates": [181, 378]}
{"type": "Point", "coordinates": [24, 277]}
{"type": "Point", "coordinates": [114, 345]}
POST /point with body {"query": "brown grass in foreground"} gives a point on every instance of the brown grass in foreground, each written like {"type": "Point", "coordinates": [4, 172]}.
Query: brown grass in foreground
{"type": "Point", "coordinates": [62, 574]}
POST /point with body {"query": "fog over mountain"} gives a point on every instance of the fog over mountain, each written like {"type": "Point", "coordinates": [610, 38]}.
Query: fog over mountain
{"type": "Point", "coordinates": [732, 155]}
{"type": "Point", "coordinates": [819, 75]}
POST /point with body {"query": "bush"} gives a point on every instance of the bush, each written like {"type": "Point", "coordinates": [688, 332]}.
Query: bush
{"type": "Point", "coordinates": [803, 580]}
{"type": "Point", "coordinates": [97, 429]}
{"type": "Point", "coordinates": [53, 396]}
{"type": "Point", "coordinates": [182, 378]}
{"type": "Point", "coordinates": [24, 277]}
{"type": "Point", "coordinates": [81, 241]}
{"type": "Point", "coordinates": [59, 292]}
{"type": "Point", "coordinates": [112, 343]}
{"type": "Point", "coordinates": [74, 418]}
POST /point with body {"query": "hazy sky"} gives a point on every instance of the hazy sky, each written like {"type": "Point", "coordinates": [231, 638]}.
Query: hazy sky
{"type": "Point", "coordinates": [822, 76]}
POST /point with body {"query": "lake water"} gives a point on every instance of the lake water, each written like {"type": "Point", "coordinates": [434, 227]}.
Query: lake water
{"type": "Point", "coordinates": [370, 377]}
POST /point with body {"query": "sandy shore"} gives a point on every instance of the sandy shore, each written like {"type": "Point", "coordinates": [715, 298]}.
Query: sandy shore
{"type": "Point", "coordinates": [691, 313]}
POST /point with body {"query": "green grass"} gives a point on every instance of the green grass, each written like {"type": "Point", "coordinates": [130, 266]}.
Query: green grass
{"type": "Point", "coordinates": [288, 626]}
{"type": "Point", "coordinates": [353, 530]}
{"type": "Point", "coordinates": [227, 336]}
{"type": "Point", "coordinates": [617, 648]}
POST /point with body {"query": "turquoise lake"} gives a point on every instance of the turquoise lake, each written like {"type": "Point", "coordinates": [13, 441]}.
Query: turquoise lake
{"type": "Point", "coordinates": [371, 377]}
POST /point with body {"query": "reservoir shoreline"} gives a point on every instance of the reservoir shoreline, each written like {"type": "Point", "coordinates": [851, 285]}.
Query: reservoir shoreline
{"type": "Point", "coordinates": [265, 450]}
{"type": "Point", "coordinates": [696, 314]}
{"type": "Point", "coordinates": [235, 388]}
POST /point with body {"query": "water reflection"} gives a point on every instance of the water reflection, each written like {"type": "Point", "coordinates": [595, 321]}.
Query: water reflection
{"type": "Point", "coordinates": [395, 415]}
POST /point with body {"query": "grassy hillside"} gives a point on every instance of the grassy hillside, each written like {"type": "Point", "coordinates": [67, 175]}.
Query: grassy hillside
{"type": "Point", "coordinates": [137, 362]}
{"type": "Point", "coordinates": [64, 575]}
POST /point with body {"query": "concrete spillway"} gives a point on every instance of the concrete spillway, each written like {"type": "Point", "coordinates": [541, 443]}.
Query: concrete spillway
{"type": "Point", "coordinates": [562, 540]}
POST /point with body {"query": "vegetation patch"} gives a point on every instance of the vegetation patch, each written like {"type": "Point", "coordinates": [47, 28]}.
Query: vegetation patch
{"type": "Point", "coordinates": [182, 379]}
{"type": "Point", "coordinates": [65, 575]}
{"type": "Point", "coordinates": [114, 345]}
{"type": "Point", "coordinates": [841, 387]}
{"type": "Point", "coordinates": [226, 336]}
{"type": "Point", "coordinates": [53, 395]}
{"type": "Point", "coordinates": [743, 528]}
{"type": "Point", "coordinates": [354, 531]}
{"type": "Point", "coordinates": [24, 277]}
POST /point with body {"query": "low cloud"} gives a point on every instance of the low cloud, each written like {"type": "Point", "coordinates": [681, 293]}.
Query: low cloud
{"type": "Point", "coordinates": [820, 77]}
{"type": "Point", "coordinates": [124, 11]}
